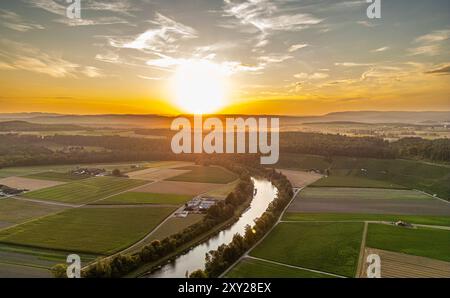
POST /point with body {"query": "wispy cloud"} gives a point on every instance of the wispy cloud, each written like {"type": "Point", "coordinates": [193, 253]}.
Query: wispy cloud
{"type": "Point", "coordinates": [352, 64]}
{"type": "Point", "coordinates": [15, 22]}
{"type": "Point", "coordinates": [379, 50]}
{"type": "Point", "coordinates": [267, 17]}
{"type": "Point", "coordinates": [296, 47]}
{"type": "Point", "coordinates": [435, 36]}
{"type": "Point", "coordinates": [443, 69]}
{"type": "Point", "coordinates": [20, 56]}
{"type": "Point", "coordinates": [428, 50]}
{"type": "Point", "coordinates": [312, 76]}
{"type": "Point", "coordinates": [162, 38]}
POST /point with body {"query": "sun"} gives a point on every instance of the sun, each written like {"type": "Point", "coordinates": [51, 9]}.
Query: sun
{"type": "Point", "coordinates": [199, 87]}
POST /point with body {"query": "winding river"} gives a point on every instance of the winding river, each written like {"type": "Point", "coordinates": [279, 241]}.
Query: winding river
{"type": "Point", "coordinates": [195, 258]}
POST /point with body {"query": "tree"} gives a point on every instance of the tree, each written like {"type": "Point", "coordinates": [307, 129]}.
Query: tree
{"type": "Point", "coordinates": [59, 271]}
{"type": "Point", "coordinates": [198, 274]}
{"type": "Point", "coordinates": [116, 172]}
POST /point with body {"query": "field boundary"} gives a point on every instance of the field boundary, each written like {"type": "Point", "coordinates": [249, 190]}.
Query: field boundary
{"type": "Point", "coordinates": [362, 251]}
{"type": "Point", "coordinates": [295, 267]}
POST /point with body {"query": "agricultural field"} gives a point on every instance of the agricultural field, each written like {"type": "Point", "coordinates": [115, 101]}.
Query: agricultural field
{"type": "Point", "coordinates": [156, 174]}
{"type": "Point", "coordinates": [14, 211]}
{"type": "Point", "coordinates": [398, 265]}
{"type": "Point", "coordinates": [18, 271]}
{"type": "Point", "coordinates": [203, 174]}
{"type": "Point", "coordinates": [352, 181]}
{"type": "Point", "coordinates": [329, 247]}
{"type": "Point", "coordinates": [178, 187]}
{"type": "Point", "coordinates": [431, 178]}
{"type": "Point", "coordinates": [27, 183]}
{"type": "Point", "coordinates": [300, 178]}
{"type": "Point", "coordinates": [254, 268]}
{"type": "Point", "coordinates": [424, 242]}
{"type": "Point", "coordinates": [174, 225]}
{"type": "Point", "coordinates": [123, 167]}
{"type": "Point", "coordinates": [136, 198]}
{"type": "Point", "coordinates": [57, 176]}
{"type": "Point", "coordinates": [223, 191]}
{"type": "Point", "coordinates": [85, 191]}
{"type": "Point", "coordinates": [414, 219]}
{"type": "Point", "coordinates": [97, 231]}
{"type": "Point", "coordinates": [367, 200]}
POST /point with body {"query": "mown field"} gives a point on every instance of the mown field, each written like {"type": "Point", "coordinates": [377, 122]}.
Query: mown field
{"type": "Point", "coordinates": [85, 191]}
{"type": "Point", "coordinates": [252, 268]}
{"type": "Point", "coordinates": [328, 247]}
{"type": "Point", "coordinates": [205, 174]}
{"type": "Point", "coordinates": [415, 219]}
{"type": "Point", "coordinates": [425, 242]}
{"type": "Point", "coordinates": [135, 198]}
{"type": "Point", "coordinates": [90, 230]}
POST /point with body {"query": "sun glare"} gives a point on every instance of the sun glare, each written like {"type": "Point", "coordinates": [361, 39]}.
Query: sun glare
{"type": "Point", "coordinates": [199, 87]}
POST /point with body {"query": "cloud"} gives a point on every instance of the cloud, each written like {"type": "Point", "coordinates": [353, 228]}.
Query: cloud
{"type": "Point", "coordinates": [435, 36]}
{"type": "Point", "coordinates": [92, 72]}
{"type": "Point", "coordinates": [440, 70]}
{"type": "Point", "coordinates": [366, 24]}
{"type": "Point", "coordinates": [352, 64]}
{"type": "Point", "coordinates": [313, 76]}
{"type": "Point", "coordinates": [428, 50]}
{"type": "Point", "coordinates": [297, 47]}
{"type": "Point", "coordinates": [162, 38]}
{"type": "Point", "coordinates": [15, 22]}
{"type": "Point", "coordinates": [383, 49]}
{"type": "Point", "coordinates": [20, 56]}
{"type": "Point", "coordinates": [90, 22]}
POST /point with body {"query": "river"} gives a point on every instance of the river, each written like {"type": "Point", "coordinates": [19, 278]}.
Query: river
{"type": "Point", "coordinates": [195, 258]}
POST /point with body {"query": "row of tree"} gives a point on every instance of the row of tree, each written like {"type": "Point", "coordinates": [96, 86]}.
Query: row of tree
{"type": "Point", "coordinates": [219, 260]}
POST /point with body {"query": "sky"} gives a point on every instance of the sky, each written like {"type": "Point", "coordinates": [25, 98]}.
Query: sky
{"type": "Point", "coordinates": [293, 57]}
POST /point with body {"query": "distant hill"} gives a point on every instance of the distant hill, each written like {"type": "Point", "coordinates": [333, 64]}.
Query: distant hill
{"type": "Point", "coordinates": [159, 121]}
{"type": "Point", "coordinates": [17, 125]}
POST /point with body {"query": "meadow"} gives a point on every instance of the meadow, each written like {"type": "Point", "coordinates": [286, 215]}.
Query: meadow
{"type": "Point", "coordinates": [205, 174]}
{"type": "Point", "coordinates": [356, 182]}
{"type": "Point", "coordinates": [328, 247]}
{"type": "Point", "coordinates": [253, 268]}
{"type": "Point", "coordinates": [85, 191]}
{"type": "Point", "coordinates": [99, 231]}
{"type": "Point", "coordinates": [57, 176]}
{"type": "Point", "coordinates": [425, 242]}
{"type": "Point", "coordinates": [136, 198]}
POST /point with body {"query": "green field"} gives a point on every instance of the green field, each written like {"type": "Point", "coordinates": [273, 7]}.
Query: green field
{"type": "Point", "coordinates": [251, 268]}
{"type": "Point", "coordinates": [205, 175]}
{"type": "Point", "coordinates": [339, 193]}
{"type": "Point", "coordinates": [89, 230]}
{"type": "Point", "coordinates": [175, 225]}
{"type": "Point", "coordinates": [328, 247]}
{"type": "Point", "coordinates": [56, 176]}
{"type": "Point", "coordinates": [415, 219]}
{"type": "Point", "coordinates": [135, 198]}
{"type": "Point", "coordinates": [424, 242]}
{"type": "Point", "coordinates": [351, 181]}
{"type": "Point", "coordinates": [85, 191]}
{"type": "Point", "coordinates": [123, 167]}
{"type": "Point", "coordinates": [431, 178]}
{"type": "Point", "coordinates": [14, 211]}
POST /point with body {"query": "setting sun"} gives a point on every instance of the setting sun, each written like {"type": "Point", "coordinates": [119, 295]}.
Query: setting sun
{"type": "Point", "coordinates": [199, 87]}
